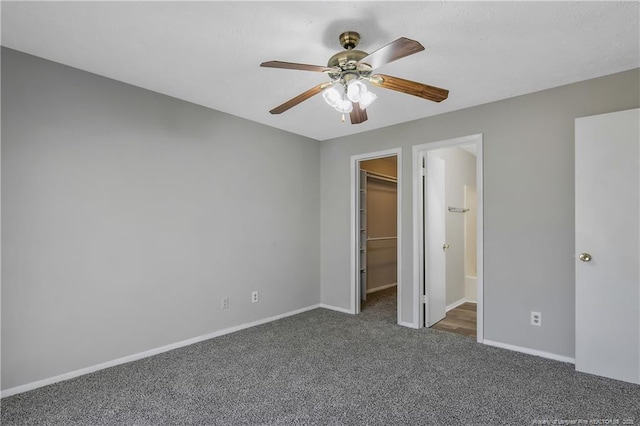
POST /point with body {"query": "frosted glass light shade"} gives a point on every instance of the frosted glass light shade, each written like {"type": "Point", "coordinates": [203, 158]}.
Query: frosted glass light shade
{"type": "Point", "coordinates": [337, 99]}
{"type": "Point", "coordinates": [344, 106]}
{"type": "Point", "coordinates": [366, 99]}
{"type": "Point", "coordinates": [355, 90]}
{"type": "Point", "coordinates": [331, 96]}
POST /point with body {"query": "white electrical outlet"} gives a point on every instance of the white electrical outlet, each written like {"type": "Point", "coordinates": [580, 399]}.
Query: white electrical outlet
{"type": "Point", "coordinates": [536, 318]}
{"type": "Point", "coordinates": [254, 297]}
{"type": "Point", "coordinates": [225, 303]}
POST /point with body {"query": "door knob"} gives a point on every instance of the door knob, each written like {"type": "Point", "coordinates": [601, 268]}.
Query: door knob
{"type": "Point", "coordinates": [445, 246]}
{"type": "Point", "coordinates": [585, 257]}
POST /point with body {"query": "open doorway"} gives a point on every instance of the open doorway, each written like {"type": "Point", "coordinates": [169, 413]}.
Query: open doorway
{"type": "Point", "coordinates": [376, 225]}
{"type": "Point", "coordinates": [378, 232]}
{"type": "Point", "coordinates": [450, 207]}
{"type": "Point", "coordinates": [448, 213]}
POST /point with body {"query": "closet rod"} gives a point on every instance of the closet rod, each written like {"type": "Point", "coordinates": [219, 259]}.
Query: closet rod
{"type": "Point", "coordinates": [457, 210]}
{"type": "Point", "coordinates": [381, 238]}
{"type": "Point", "coordinates": [382, 177]}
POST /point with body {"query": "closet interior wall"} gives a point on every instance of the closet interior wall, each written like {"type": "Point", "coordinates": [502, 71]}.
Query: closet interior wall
{"type": "Point", "coordinates": [380, 204]}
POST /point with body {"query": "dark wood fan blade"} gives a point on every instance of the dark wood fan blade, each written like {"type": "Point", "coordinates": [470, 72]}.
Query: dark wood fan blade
{"type": "Point", "coordinates": [425, 91]}
{"type": "Point", "coordinates": [358, 115]}
{"type": "Point", "coordinates": [392, 52]}
{"type": "Point", "coordinates": [300, 98]}
{"type": "Point", "coordinates": [294, 66]}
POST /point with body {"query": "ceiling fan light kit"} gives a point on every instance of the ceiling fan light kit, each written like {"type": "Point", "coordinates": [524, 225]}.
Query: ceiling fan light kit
{"type": "Point", "coordinates": [347, 70]}
{"type": "Point", "coordinates": [342, 101]}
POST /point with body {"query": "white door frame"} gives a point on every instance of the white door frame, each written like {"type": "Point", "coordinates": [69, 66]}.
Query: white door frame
{"type": "Point", "coordinates": [355, 231]}
{"type": "Point", "coordinates": [419, 151]}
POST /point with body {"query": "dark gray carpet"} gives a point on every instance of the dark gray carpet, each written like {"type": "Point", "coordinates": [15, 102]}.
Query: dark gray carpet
{"type": "Point", "coordinates": [381, 306]}
{"type": "Point", "coordinates": [325, 367]}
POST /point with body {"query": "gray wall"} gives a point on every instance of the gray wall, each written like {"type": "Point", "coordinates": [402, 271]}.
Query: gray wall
{"type": "Point", "coordinates": [528, 204]}
{"type": "Point", "coordinates": [459, 170]}
{"type": "Point", "coordinates": [128, 215]}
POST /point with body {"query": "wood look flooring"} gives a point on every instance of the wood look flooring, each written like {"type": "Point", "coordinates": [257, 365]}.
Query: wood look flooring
{"type": "Point", "coordinates": [460, 320]}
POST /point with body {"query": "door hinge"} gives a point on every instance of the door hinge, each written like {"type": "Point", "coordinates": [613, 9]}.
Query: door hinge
{"type": "Point", "coordinates": [423, 171]}
{"type": "Point", "coordinates": [423, 298]}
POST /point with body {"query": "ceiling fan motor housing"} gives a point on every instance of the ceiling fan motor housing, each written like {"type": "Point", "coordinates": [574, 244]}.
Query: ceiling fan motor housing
{"type": "Point", "coordinates": [347, 67]}
{"type": "Point", "coordinates": [346, 63]}
{"type": "Point", "coordinates": [347, 59]}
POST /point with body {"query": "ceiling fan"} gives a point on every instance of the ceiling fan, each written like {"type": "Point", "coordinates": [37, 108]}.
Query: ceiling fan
{"type": "Point", "coordinates": [347, 70]}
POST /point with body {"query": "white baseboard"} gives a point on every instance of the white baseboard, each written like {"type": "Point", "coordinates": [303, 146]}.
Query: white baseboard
{"type": "Point", "coordinates": [335, 308]}
{"type": "Point", "coordinates": [146, 354]}
{"type": "Point", "coordinates": [456, 304]}
{"type": "Point", "coordinates": [408, 324]}
{"type": "Point", "coordinates": [529, 351]}
{"type": "Point", "coordinates": [384, 287]}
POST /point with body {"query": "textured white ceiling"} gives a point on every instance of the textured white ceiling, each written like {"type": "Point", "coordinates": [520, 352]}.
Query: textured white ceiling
{"type": "Point", "coordinates": [208, 52]}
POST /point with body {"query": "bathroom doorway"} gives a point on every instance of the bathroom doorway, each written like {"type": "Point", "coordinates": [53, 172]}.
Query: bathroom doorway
{"type": "Point", "coordinates": [454, 197]}
{"type": "Point", "coordinates": [448, 213]}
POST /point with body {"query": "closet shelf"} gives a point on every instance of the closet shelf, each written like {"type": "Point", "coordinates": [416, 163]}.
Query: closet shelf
{"type": "Point", "coordinates": [381, 176]}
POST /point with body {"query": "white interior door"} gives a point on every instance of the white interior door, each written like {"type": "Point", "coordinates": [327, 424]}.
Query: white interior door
{"type": "Point", "coordinates": [435, 259]}
{"type": "Point", "coordinates": [607, 155]}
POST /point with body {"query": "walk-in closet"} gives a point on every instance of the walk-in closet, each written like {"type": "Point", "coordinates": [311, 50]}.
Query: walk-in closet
{"type": "Point", "coordinates": [378, 231]}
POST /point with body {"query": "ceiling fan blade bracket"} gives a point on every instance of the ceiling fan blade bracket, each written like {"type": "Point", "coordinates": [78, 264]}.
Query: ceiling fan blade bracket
{"type": "Point", "coordinates": [376, 79]}
{"type": "Point", "coordinates": [335, 75]}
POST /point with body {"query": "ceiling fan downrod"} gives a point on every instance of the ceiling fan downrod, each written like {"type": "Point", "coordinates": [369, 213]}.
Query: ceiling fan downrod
{"type": "Point", "coordinates": [349, 39]}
